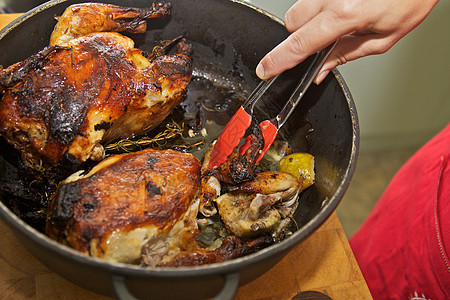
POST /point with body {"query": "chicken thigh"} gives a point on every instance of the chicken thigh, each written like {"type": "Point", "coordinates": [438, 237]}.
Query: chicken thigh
{"type": "Point", "coordinates": [89, 87]}
{"type": "Point", "coordinates": [257, 206]}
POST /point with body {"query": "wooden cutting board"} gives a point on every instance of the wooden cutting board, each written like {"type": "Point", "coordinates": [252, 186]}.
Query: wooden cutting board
{"type": "Point", "coordinates": [324, 262]}
{"type": "Point", "coordinates": [5, 19]}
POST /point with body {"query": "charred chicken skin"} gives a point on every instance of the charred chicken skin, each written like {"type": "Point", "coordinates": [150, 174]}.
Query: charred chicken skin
{"type": "Point", "coordinates": [82, 19]}
{"type": "Point", "coordinates": [129, 205]}
{"type": "Point", "coordinates": [90, 86]}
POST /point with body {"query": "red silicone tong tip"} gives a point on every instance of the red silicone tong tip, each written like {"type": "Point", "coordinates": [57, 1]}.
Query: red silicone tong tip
{"type": "Point", "coordinates": [230, 137]}
{"type": "Point", "coordinates": [269, 131]}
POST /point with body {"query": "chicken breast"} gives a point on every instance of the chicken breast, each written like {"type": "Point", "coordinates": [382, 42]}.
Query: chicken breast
{"type": "Point", "coordinates": [129, 205]}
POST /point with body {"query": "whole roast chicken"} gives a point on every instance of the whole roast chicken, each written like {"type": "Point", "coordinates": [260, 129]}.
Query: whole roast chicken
{"type": "Point", "coordinates": [90, 85]}
{"type": "Point", "coordinates": [129, 204]}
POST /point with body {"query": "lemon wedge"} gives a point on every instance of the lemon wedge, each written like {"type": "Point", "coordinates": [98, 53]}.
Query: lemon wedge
{"type": "Point", "coordinates": [301, 165]}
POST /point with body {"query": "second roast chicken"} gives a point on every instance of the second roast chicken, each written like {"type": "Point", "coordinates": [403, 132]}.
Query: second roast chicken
{"type": "Point", "coordinates": [90, 86]}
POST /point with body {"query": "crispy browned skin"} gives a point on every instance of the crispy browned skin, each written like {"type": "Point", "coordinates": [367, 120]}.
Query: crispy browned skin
{"type": "Point", "coordinates": [93, 92]}
{"type": "Point", "coordinates": [81, 19]}
{"type": "Point", "coordinates": [148, 189]}
{"type": "Point", "coordinates": [231, 248]}
{"type": "Point", "coordinates": [237, 168]}
{"type": "Point", "coordinates": [75, 96]}
{"type": "Point", "coordinates": [240, 167]}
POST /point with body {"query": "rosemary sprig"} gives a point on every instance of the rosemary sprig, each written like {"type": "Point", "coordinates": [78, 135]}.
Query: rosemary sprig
{"type": "Point", "coordinates": [161, 139]}
{"type": "Point", "coordinates": [165, 46]}
{"type": "Point", "coordinates": [37, 165]}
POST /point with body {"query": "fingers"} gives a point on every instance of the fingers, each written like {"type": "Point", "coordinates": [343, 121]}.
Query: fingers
{"type": "Point", "coordinates": [363, 27]}
{"type": "Point", "coordinates": [275, 62]}
{"type": "Point", "coordinates": [300, 13]}
{"type": "Point", "coordinates": [316, 34]}
{"type": "Point", "coordinates": [351, 47]}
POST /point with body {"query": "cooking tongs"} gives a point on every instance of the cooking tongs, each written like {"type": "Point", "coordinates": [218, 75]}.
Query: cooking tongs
{"type": "Point", "coordinates": [238, 124]}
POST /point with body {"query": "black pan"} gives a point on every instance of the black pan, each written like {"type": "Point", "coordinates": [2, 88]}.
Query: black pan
{"type": "Point", "coordinates": [229, 39]}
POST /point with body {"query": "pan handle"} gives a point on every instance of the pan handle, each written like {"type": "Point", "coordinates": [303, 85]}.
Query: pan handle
{"type": "Point", "coordinates": [227, 292]}
{"type": "Point", "coordinates": [120, 288]}
{"type": "Point", "coordinates": [229, 288]}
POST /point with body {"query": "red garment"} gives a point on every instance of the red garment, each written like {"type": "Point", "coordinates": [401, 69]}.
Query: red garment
{"type": "Point", "coordinates": [403, 247]}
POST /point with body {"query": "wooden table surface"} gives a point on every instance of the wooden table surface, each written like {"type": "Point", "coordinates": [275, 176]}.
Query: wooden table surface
{"type": "Point", "coordinates": [324, 262]}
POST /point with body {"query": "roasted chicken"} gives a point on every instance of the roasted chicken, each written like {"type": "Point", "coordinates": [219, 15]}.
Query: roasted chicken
{"type": "Point", "coordinates": [90, 86]}
{"type": "Point", "coordinates": [129, 205]}
{"type": "Point", "coordinates": [139, 208]}
{"type": "Point", "coordinates": [249, 203]}
{"type": "Point", "coordinates": [85, 18]}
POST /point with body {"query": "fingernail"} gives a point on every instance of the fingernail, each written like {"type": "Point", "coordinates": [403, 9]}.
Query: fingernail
{"type": "Point", "coordinates": [260, 71]}
{"type": "Point", "coordinates": [321, 77]}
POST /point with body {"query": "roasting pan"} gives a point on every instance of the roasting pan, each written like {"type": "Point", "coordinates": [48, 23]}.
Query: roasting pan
{"type": "Point", "coordinates": [229, 39]}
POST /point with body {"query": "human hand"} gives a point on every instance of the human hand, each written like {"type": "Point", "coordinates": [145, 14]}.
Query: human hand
{"type": "Point", "coordinates": [363, 27]}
